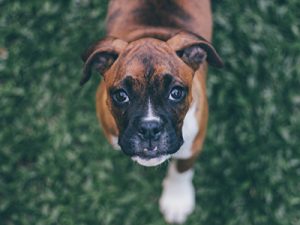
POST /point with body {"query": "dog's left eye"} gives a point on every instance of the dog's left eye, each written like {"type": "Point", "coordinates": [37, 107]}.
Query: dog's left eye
{"type": "Point", "coordinates": [120, 97]}
{"type": "Point", "coordinates": [177, 94]}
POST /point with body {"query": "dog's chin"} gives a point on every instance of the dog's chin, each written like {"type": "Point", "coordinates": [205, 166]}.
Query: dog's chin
{"type": "Point", "coordinates": [152, 161]}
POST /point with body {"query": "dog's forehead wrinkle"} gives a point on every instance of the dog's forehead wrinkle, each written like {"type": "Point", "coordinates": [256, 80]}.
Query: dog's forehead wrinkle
{"type": "Point", "coordinates": [146, 45]}
{"type": "Point", "coordinates": [148, 74]}
{"type": "Point", "coordinates": [149, 68]}
{"type": "Point", "coordinates": [146, 60]}
{"type": "Point", "coordinates": [146, 42]}
{"type": "Point", "coordinates": [145, 68]}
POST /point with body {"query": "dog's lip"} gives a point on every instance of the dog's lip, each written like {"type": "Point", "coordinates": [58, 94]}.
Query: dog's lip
{"type": "Point", "coordinates": [148, 162]}
{"type": "Point", "coordinates": [147, 153]}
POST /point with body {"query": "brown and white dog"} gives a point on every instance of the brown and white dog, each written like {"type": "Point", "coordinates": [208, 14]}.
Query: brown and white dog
{"type": "Point", "coordinates": [152, 101]}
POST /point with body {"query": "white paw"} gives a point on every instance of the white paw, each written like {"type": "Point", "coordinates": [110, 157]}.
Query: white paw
{"type": "Point", "coordinates": [178, 197]}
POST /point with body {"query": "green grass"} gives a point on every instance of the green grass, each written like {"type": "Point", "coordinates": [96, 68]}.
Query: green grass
{"type": "Point", "coordinates": [57, 168]}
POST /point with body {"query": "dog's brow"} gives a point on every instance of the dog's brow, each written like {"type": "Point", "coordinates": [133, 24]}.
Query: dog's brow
{"type": "Point", "coordinates": [128, 82]}
{"type": "Point", "coordinates": [132, 85]}
{"type": "Point", "coordinates": [167, 80]}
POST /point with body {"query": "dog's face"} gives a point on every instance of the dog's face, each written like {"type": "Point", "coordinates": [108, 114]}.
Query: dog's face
{"type": "Point", "coordinates": [149, 93]}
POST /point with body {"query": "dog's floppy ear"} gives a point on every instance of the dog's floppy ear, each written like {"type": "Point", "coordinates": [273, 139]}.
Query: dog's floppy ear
{"type": "Point", "coordinates": [194, 50]}
{"type": "Point", "coordinates": [101, 56]}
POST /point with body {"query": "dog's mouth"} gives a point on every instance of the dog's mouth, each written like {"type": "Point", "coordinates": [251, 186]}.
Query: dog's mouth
{"type": "Point", "coordinates": [150, 157]}
{"type": "Point", "coordinates": [150, 153]}
{"type": "Point", "coordinates": [148, 162]}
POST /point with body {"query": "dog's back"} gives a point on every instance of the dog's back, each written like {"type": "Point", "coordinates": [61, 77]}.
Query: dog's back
{"type": "Point", "coordinates": [130, 20]}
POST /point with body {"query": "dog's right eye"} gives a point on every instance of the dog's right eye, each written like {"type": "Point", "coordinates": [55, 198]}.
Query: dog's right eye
{"type": "Point", "coordinates": [120, 97]}
{"type": "Point", "coordinates": [177, 94]}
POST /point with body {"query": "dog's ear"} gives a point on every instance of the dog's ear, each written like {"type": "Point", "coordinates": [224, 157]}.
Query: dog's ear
{"type": "Point", "coordinates": [194, 50]}
{"type": "Point", "coordinates": [101, 56]}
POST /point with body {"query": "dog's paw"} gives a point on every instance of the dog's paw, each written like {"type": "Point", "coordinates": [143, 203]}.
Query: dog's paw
{"type": "Point", "coordinates": [178, 197]}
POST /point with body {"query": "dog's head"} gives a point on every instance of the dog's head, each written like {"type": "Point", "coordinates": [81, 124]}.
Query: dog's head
{"type": "Point", "coordinates": [149, 89]}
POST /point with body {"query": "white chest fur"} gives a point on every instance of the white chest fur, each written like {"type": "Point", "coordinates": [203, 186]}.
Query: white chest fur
{"type": "Point", "coordinates": [190, 129]}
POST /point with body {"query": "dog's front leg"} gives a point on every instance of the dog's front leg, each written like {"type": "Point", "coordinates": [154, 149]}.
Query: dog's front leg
{"type": "Point", "coordinates": [178, 197]}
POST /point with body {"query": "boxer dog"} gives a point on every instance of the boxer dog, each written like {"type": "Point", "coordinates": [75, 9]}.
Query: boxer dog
{"type": "Point", "coordinates": [152, 101]}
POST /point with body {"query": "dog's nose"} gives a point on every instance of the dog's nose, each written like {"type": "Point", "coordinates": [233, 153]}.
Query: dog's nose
{"type": "Point", "coordinates": [150, 129]}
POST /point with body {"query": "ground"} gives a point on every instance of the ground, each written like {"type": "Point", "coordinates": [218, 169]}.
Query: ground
{"type": "Point", "coordinates": [57, 168]}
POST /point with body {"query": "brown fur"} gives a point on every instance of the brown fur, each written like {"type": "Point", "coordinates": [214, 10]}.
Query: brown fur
{"type": "Point", "coordinates": [135, 19]}
{"type": "Point", "coordinates": [123, 21]}
{"type": "Point", "coordinates": [132, 62]}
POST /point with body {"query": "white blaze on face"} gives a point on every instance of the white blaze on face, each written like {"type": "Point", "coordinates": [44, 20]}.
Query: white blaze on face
{"type": "Point", "coordinates": [150, 114]}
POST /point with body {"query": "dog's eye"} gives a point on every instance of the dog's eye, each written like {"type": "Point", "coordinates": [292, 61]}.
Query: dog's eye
{"type": "Point", "coordinates": [120, 97]}
{"type": "Point", "coordinates": [177, 94]}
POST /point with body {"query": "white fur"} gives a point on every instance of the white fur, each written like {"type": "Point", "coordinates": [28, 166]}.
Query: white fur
{"type": "Point", "coordinates": [190, 129]}
{"type": "Point", "coordinates": [150, 114]}
{"type": "Point", "coordinates": [114, 142]}
{"type": "Point", "coordinates": [178, 197]}
{"type": "Point", "coordinates": [150, 162]}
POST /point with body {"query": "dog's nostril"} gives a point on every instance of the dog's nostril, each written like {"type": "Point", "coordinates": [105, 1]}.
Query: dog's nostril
{"type": "Point", "coordinates": [143, 131]}
{"type": "Point", "coordinates": [156, 130]}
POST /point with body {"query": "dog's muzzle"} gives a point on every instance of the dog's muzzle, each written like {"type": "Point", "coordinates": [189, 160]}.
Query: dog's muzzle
{"type": "Point", "coordinates": [150, 142]}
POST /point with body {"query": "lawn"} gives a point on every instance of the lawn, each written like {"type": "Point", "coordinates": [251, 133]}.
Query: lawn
{"type": "Point", "coordinates": [57, 168]}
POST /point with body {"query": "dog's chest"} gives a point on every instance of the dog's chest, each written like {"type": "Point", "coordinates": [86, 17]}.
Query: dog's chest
{"type": "Point", "coordinates": [190, 129]}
